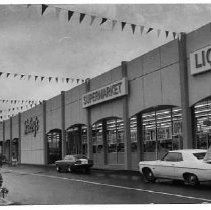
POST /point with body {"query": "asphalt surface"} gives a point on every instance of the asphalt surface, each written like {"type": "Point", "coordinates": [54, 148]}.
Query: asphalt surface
{"type": "Point", "coordinates": [37, 185]}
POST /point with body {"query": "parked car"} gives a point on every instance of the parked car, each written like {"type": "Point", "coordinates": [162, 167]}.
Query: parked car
{"type": "Point", "coordinates": [188, 165]}
{"type": "Point", "coordinates": [74, 162]}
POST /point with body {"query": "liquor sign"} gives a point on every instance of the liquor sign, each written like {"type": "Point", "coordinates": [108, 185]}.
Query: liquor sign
{"type": "Point", "coordinates": [111, 91]}
{"type": "Point", "coordinates": [200, 60]}
{"type": "Point", "coordinates": [31, 126]}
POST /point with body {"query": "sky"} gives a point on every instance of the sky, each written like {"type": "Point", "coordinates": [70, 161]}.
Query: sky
{"type": "Point", "coordinates": [48, 45]}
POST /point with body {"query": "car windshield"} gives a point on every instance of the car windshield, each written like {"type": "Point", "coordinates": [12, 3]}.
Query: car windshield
{"type": "Point", "coordinates": [199, 155]}
{"type": "Point", "coordinates": [68, 157]}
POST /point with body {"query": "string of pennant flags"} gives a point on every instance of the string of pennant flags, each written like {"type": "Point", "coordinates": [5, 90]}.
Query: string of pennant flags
{"type": "Point", "coordinates": [143, 29]}
{"type": "Point", "coordinates": [10, 112]}
{"type": "Point", "coordinates": [35, 78]}
{"type": "Point", "coordinates": [15, 101]}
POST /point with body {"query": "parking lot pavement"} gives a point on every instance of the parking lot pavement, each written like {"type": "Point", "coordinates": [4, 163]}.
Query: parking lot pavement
{"type": "Point", "coordinates": [29, 184]}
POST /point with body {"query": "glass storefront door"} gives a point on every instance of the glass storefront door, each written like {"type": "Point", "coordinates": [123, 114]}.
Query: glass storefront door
{"type": "Point", "coordinates": [115, 141]}
{"type": "Point", "coordinates": [54, 146]}
{"type": "Point", "coordinates": [76, 140]}
{"type": "Point", "coordinates": [15, 148]}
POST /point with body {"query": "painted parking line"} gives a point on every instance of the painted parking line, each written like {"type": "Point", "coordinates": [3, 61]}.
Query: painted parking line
{"type": "Point", "coordinates": [117, 186]}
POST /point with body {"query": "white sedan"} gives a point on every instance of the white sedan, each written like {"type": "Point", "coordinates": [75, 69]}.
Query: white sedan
{"type": "Point", "coordinates": [188, 165]}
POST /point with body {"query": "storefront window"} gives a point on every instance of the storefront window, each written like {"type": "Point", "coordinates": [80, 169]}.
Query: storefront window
{"type": "Point", "coordinates": [203, 124]}
{"type": "Point", "coordinates": [115, 135]}
{"type": "Point", "coordinates": [133, 133]}
{"type": "Point", "coordinates": [162, 130]}
{"type": "Point", "coordinates": [97, 137]}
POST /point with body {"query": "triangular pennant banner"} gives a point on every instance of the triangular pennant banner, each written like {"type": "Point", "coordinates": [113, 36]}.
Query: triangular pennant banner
{"type": "Point", "coordinates": [67, 80]}
{"type": "Point", "coordinates": [150, 29]}
{"type": "Point", "coordinates": [113, 24]}
{"type": "Point", "coordinates": [123, 25]}
{"type": "Point", "coordinates": [1, 73]}
{"type": "Point", "coordinates": [49, 79]}
{"type": "Point", "coordinates": [142, 29]}
{"type": "Point", "coordinates": [167, 33]}
{"type": "Point", "coordinates": [57, 79]}
{"type": "Point", "coordinates": [58, 11]}
{"type": "Point", "coordinates": [174, 35]}
{"type": "Point", "coordinates": [158, 32]}
{"type": "Point", "coordinates": [82, 15]}
{"type": "Point", "coordinates": [42, 78]}
{"type": "Point", "coordinates": [103, 20]}
{"type": "Point", "coordinates": [133, 26]}
{"type": "Point", "coordinates": [44, 7]}
{"type": "Point", "coordinates": [70, 14]}
{"type": "Point", "coordinates": [22, 75]}
{"type": "Point", "coordinates": [36, 77]}
{"type": "Point", "coordinates": [77, 80]}
{"type": "Point", "coordinates": [92, 19]}
{"type": "Point", "coordinates": [8, 74]}
{"type": "Point", "coordinates": [15, 75]}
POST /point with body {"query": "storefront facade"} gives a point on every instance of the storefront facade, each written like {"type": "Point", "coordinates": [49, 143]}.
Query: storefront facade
{"type": "Point", "coordinates": [157, 102]}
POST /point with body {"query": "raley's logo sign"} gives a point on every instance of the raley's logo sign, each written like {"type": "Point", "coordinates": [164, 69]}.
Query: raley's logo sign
{"type": "Point", "coordinates": [200, 60]}
{"type": "Point", "coordinates": [31, 126]}
{"type": "Point", "coordinates": [106, 93]}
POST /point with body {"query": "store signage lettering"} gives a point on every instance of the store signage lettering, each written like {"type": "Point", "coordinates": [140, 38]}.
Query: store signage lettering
{"type": "Point", "coordinates": [200, 60]}
{"type": "Point", "coordinates": [31, 126]}
{"type": "Point", "coordinates": [106, 93]}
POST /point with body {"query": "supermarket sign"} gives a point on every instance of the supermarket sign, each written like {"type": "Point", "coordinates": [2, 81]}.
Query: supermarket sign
{"type": "Point", "coordinates": [106, 93]}
{"type": "Point", "coordinates": [200, 60]}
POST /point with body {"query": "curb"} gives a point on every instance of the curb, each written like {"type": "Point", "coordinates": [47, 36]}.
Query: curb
{"type": "Point", "coordinates": [4, 202]}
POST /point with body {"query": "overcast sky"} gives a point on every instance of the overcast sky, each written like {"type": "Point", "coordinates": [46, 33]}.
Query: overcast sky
{"type": "Point", "coordinates": [49, 45]}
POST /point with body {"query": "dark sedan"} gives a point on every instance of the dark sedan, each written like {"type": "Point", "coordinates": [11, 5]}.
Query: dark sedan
{"type": "Point", "coordinates": [74, 162]}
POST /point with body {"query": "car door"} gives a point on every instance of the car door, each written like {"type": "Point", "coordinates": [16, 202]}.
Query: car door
{"type": "Point", "coordinates": [167, 165]}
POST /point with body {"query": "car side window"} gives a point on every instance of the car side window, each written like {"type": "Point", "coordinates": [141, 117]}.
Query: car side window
{"type": "Point", "coordinates": [173, 157]}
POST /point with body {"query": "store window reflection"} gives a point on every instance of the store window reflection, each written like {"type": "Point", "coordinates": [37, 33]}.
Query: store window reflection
{"type": "Point", "coordinates": [203, 124]}
{"type": "Point", "coordinates": [133, 133]}
{"type": "Point", "coordinates": [162, 130]}
{"type": "Point", "coordinates": [97, 137]}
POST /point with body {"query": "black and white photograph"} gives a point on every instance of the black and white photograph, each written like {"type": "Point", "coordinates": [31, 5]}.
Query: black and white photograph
{"type": "Point", "coordinates": [105, 103]}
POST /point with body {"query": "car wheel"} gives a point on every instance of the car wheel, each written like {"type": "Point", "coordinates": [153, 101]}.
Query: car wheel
{"type": "Point", "coordinates": [69, 169]}
{"type": "Point", "coordinates": [192, 180]}
{"type": "Point", "coordinates": [58, 169]}
{"type": "Point", "coordinates": [148, 175]}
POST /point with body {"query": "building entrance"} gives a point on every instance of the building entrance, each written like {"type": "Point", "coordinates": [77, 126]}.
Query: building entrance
{"type": "Point", "coordinates": [54, 146]}
{"type": "Point", "coordinates": [76, 139]}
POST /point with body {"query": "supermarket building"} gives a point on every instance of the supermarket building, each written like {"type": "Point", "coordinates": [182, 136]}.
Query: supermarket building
{"type": "Point", "coordinates": [157, 102]}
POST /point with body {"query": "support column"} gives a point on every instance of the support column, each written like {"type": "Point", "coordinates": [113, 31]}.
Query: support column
{"type": "Point", "coordinates": [63, 123]}
{"type": "Point", "coordinates": [89, 126]}
{"type": "Point", "coordinates": [3, 142]}
{"type": "Point", "coordinates": [11, 141]}
{"type": "Point", "coordinates": [127, 140]}
{"type": "Point", "coordinates": [140, 143]}
{"type": "Point", "coordinates": [186, 110]}
{"type": "Point", "coordinates": [45, 152]}
{"type": "Point", "coordinates": [19, 137]}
